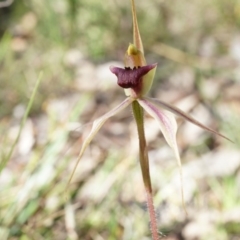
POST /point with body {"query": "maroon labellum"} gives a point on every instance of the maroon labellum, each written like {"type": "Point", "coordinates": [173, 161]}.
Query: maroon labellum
{"type": "Point", "coordinates": [131, 78]}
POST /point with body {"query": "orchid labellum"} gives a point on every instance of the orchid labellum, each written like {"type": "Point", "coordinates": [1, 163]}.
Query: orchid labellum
{"type": "Point", "coordinates": [136, 78]}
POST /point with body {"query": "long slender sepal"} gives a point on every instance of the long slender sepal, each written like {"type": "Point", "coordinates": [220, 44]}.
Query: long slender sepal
{"type": "Point", "coordinates": [182, 114]}
{"type": "Point", "coordinates": [97, 124]}
{"type": "Point", "coordinates": [168, 127]}
{"type": "Point", "coordinates": [144, 162]}
{"type": "Point", "coordinates": [136, 33]}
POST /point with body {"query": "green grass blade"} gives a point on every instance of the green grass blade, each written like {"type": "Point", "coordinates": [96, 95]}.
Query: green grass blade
{"type": "Point", "coordinates": [6, 159]}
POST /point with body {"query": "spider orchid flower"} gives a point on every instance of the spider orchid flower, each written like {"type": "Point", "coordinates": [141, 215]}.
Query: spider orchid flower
{"type": "Point", "coordinates": [136, 78]}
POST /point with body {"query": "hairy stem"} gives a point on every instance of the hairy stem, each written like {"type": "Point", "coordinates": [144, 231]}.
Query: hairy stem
{"type": "Point", "coordinates": [144, 162]}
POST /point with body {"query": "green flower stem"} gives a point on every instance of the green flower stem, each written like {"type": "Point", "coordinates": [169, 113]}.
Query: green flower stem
{"type": "Point", "coordinates": [138, 115]}
{"type": "Point", "coordinates": [144, 162]}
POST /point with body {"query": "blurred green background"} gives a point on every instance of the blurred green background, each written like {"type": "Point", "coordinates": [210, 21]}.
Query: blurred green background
{"type": "Point", "coordinates": [73, 43]}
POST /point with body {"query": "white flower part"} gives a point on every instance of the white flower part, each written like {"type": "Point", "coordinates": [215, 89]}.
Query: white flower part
{"type": "Point", "coordinates": [166, 121]}
{"type": "Point", "coordinates": [180, 113]}
{"type": "Point", "coordinates": [97, 124]}
{"type": "Point", "coordinates": [168, 127]}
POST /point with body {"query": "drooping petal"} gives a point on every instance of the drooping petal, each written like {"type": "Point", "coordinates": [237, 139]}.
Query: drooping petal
{"type": "Point", "coordinates": [97, 124]}
{"type": "Point", "coordinates": [166, 120]}
{"type": "Point", "coordinates": [182, 114]}
{"type": "Point", "coordinates": [168, 126]}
